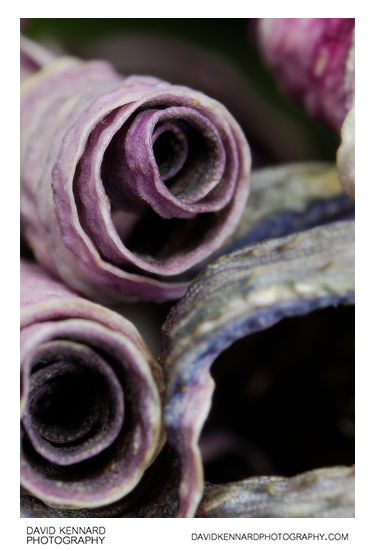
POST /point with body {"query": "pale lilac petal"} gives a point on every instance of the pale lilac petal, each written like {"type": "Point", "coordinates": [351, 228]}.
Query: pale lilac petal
{"type": "Point", "coordinates": [33, 56]}
{"type": "Point", "coordinates": [90, 398]}
{"type": "Point", "coordinates": [126, 183]}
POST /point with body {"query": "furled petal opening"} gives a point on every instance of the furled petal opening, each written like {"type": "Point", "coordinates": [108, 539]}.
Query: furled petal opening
{"type": "Point", "coordinates": [90, 399]}
{"type": "Point", "coordinates": [126, 182]}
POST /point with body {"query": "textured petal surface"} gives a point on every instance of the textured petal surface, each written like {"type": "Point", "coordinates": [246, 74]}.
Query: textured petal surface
{"type": "Point", "coordinates": [154, 497]}
{"type": "Point", "coordinates": [90, 399]}
{"type": "Point", "coordinates": [313, 60]}
{"type": "Point", "coordinates": [126, 183]}
{"type": "Point", "coordinates": [286, 199]}
{"type": "Point", "coordinates": [265, 124]}
{"type": "Point", "coordinates": [323, 493]}
{"type": "Point", "coordinates": [247, 291]}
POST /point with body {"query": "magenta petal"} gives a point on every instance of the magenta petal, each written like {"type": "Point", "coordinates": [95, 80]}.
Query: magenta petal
{"type": "Point", "coordinates": [313, 60]}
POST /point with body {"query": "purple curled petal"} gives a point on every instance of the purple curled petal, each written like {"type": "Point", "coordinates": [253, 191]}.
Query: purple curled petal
{"type": "Point", "coordinates": [33, 56]}
{"type": "Point", "coordinates": [104, 160]}
{"type": "Point", "coordinates": [154, 497]}
{"type": "Point", "coordinates": [313, 60]}
{"type": "Point", "coordinates": [90, 402]}
{"type": "Point", "coordinates": [247, 291]}
{"type": "Point", "coordinates": [215, 75]}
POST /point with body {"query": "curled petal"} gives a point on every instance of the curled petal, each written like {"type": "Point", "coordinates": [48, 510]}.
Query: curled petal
{"type": "Point", "coordinates": [154, 497]}
{"type": "Point", "coordinates": [264, 122]}
{"type": "Point", "coordinates": [286, 199]}
{"type": "Point", "coordinates": [244, 292]}
{"type": "Point", "coordinates": [327, 493]}
{"type": "Point", "coordinates": [313, 60]}
{"type": "Point", "coordinates": [33, 56]}
{"type": "Point", "coordinates": [104, 160]}
{"type": "Point", "coordinates": [90, 398]}
{"type": "Point", "coordinates": [346, 155]}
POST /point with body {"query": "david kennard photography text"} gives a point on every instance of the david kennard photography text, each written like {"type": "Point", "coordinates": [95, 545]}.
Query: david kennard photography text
{"type": "Point", "coordinates": [65, 534]}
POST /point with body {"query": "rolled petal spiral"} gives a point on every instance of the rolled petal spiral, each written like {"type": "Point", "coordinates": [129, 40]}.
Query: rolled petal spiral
{"type": "Point", "coordinates": [126, 183]}
{"type": "Point", "coordinates": [247, 291]}
{"type": "Point", "coordinates": [90, 398]}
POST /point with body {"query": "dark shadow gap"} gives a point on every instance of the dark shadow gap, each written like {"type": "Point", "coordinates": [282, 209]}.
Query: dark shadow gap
{"type": "Point", "coordinates": [284, 399]}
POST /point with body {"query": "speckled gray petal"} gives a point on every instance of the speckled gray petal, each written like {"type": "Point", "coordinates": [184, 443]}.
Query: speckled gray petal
{"type": "Point", "coordinates": [247, 291]}
{"type": "Point", "coordinates": [288, 198]}
{"type": "Point", "coordinates": [105, 158]}
{"type": "Point", "coordinates": [321, 493]}
{"type": "Point", "coordinates": [90, 398]}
